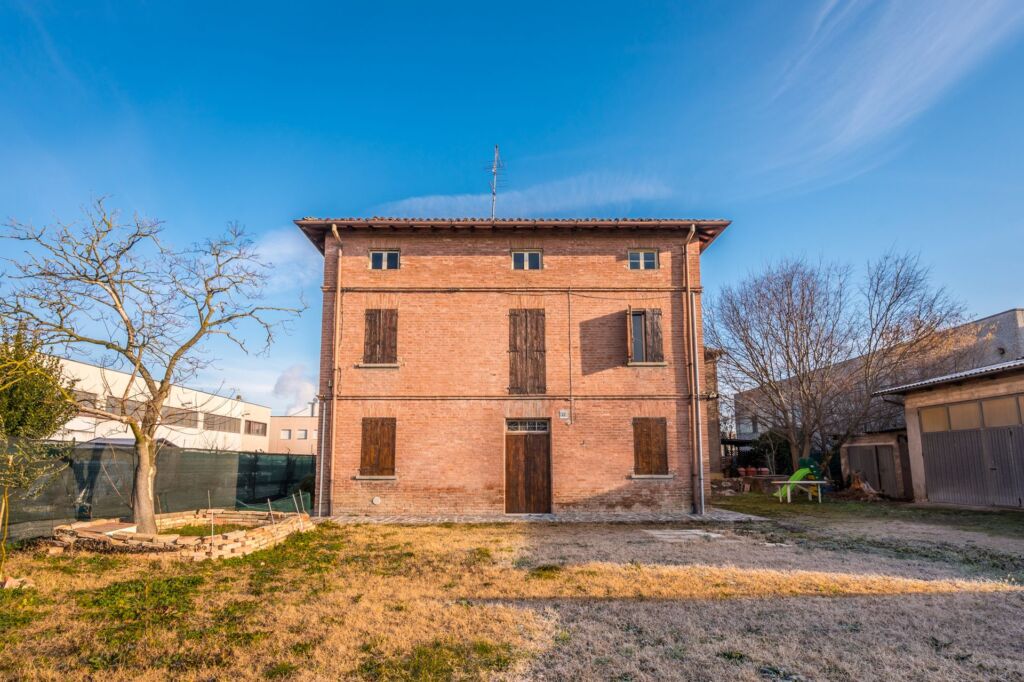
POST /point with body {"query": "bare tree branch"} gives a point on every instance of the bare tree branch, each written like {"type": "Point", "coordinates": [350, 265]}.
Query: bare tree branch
{"type": "Point", "coordinates": [112, 286]}
{"type": "Point", "coordinates": [806, 349]}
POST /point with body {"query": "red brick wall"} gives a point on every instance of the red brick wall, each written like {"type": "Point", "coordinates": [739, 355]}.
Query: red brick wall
{"type": "Point", "coordinates": [450, 391]}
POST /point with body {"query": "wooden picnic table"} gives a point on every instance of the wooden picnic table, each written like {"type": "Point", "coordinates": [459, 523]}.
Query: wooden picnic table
{"type": "Point", "coordinates": [807, 486]}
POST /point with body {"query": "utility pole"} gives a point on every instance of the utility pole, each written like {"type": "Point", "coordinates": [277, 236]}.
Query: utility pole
{"type": "Point", "coordinates": [495, 167]}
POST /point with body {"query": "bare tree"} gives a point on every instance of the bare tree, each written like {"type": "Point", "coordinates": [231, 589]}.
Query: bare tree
{"type": "Point", "coordinates": [116, 291]}
{"type": "Point", "coordinates": [807, 347]}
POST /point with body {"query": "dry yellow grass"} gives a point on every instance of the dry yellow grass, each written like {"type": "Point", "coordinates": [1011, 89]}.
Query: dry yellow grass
{"type": "Point", "coordinates": [360, 601]}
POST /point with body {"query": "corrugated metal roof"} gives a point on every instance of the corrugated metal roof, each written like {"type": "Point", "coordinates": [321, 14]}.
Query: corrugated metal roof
{"type": "Point", "coordinates": [989, 370]}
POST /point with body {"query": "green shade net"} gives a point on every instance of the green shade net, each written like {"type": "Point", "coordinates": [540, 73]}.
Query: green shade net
{"type": "Point", "coordinates": [97, 482]}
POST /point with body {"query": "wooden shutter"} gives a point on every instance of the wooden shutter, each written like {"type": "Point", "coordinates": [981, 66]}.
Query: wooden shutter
{"type": "Point", "coordinates": [536, 380]}
{"type": "Point", "coordinates": [380, 343]}
{"type": "Point", "coordinates": [652, 327]}
{"type": "Point", "coordinates": [650, 446]}
{"type": "Point", "coordinates": [377, 457]}
{"type": "Point", "coordinates": [629, 334]}
{"type": "Point", "coordinates": [527, 356]}
{"type": "Point", "coordinates": [517, 361]}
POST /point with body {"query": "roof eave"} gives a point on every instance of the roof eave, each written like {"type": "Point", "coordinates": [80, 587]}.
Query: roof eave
{"type": "Point", "coordinates": [316, 229]}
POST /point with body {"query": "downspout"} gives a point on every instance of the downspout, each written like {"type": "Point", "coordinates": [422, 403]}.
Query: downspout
{"type": "Point", "coordinates": [321, 454]}
{"type": "Point", "coordinates": [696, 437]}
{"type": "Point", "coordinates": [328, 396]}
{"type": "Point", "coordinates": [336, 371]}
{"type": "Point", "coordinates": [696, 405]}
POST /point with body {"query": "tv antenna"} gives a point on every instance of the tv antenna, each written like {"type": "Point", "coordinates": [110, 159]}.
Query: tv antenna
{"type": "Point", "coordinates": [496, 168]}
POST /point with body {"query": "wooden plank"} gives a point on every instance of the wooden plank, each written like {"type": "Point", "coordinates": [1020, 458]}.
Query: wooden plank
{"type": "Point", "coordinates": [652, 319]}
{"type": "Point", "coordinates": [389, 336]}
{"type": "Point", "coordinates": [377, 453]}
{"type": "Point", "coordinates": [538, 473]}
{"type": "Point", "coordinates": [515, 474]}
{"type": "Point", "coordinates": [650, 446]}
{"type": "Point", "coordinates": [371, 336]}
{"type": "Point", "coordinates": [629, 333]}
{"type": "Point", "coordinates": [536, 379]}
{"type": "Point", "coordinates": [518, 371]}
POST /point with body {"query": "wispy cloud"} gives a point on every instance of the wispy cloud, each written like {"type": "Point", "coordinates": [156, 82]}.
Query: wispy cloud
{"type": "Point", "coordinates": [868, 67]}
{"type": "Point", "coordinates": [577, 193]}
{"type": "Point", "coordinates": [296, 263]}
{"type": "Point", "coordinates": [49, 47]}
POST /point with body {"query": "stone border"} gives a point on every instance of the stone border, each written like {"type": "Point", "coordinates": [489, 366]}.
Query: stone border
{"type": "Point", "coordinates": [265, 529]}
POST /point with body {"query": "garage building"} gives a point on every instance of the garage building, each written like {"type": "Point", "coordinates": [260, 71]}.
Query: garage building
{"type": "Point", "coordinates": [965, 435]}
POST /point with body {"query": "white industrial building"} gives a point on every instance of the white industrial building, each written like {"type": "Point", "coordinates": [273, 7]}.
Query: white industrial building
{"type": "Point", "coordinates": [191, 418]}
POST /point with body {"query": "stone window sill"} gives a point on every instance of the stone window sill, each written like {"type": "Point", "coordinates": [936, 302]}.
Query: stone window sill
{"type": "Point", "coordinates": [652, 477]}
{"type": "Point", "coordinates": [647, 364]}
{"type": "Point", "coordinates": [377, 365]}
{"type": "Point", "coordinates": [375, 478]}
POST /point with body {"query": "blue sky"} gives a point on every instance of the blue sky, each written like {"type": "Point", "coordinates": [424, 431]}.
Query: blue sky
{"type": "Point", "coordinates": [820, 128]}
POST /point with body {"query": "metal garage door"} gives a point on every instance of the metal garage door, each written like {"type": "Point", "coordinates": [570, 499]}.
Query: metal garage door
{"type": "Point", "coordinates": [976, 467]}
{"type": "Point", "coordinates": [1005, 448]}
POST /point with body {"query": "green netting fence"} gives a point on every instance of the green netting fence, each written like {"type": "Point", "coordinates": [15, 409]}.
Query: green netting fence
{"type": "Point", "coordinates": [97, 482]}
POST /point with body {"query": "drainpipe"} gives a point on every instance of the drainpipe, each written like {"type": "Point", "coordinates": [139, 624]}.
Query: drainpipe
{"type": "Point", "coordinates": [696, 437]}
{"type": "Point", "coordinates": [328, 397]}
{"type": "Point", "coordinates": [334, 361]}
{"type": "Point", "coordinates": [320, 476]}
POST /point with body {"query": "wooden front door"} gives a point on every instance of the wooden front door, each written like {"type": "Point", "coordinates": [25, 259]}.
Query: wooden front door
{"type": "Point", "coordinates": [527, 468]}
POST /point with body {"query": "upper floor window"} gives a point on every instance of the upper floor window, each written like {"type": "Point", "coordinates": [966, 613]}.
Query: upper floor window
{"type": "Point", "coordinates": [255, 428]}
{"type": "Point", "coordinates": [221, 422]}
{"type": "Point", "coordinates": [384, 260]}
{"type": "Point", "coordinates": [526, 260]}
{"type": "Point", "coordinates": [302, 434]}
{"type": "Point", "coordinates": [286, 434]}
{"type": "Point", "coordinates": [643, 259]}
{"type": "Point", "coordinates": [643, 330]}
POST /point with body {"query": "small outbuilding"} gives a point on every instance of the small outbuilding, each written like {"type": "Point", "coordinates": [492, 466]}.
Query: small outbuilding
{"type": "Point", "coordinates": [965, 436]}
{"type": "Point", "coordinates": [882, 460]}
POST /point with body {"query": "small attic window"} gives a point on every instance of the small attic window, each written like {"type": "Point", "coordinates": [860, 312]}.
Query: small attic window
{"type": "Point", "coordinates": [384, 260]}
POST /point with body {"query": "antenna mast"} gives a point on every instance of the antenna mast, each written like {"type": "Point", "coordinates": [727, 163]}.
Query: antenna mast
{"type": "Point", "coordinates": [495, 167]}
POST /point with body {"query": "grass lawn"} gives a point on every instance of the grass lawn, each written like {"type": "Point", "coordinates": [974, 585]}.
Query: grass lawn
{"type": "Point", "coordinates": [997, 522]}
{"type": "Point", "coordinates": [524, 601]}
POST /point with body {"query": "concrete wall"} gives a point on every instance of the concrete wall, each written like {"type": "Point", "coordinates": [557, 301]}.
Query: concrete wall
{"type": "Point", "coordinates": [449, 392]}
{"type": "Point", "coordinates": [106, 382]}
{"type": "Point", "coordinates": [294, 424]}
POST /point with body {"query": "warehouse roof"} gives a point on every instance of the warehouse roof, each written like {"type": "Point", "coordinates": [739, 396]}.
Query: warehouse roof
{"type": "Point", "coordinates": [987, 371]}
{"type": "Point", "coordinates": [316, 229]}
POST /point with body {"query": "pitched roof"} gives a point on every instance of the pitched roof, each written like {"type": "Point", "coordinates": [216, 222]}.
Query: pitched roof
{"type": "Point", "coordinates": [987, 371]}
{"type": "Point", "coordinates": [316, 229]}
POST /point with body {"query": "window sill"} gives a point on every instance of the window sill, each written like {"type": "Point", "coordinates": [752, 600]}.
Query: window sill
{"type": "Point", "coordinates": [374, 478]}
{"type": "Point", "coordinates": [653, 477]}
{"type": "Point", "coordinates": [647, 364]}
{"type": "Point", "coordinates": [377, 365]}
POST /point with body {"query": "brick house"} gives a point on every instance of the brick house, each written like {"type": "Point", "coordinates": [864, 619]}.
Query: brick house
{"type": "Point", "coordinates": [516, 366]}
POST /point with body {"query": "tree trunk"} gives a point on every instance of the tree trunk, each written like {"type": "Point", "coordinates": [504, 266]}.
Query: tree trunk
{"type": "Point", "coordinates": [795, 448]}
{"type": "Point", "coordinates": [144, 509]}
{"type": "Point", "coordinates": [5, 522]}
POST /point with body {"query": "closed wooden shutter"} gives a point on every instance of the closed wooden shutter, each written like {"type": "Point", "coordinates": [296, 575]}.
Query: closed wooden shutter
{"type": "Point", "coordinates": [380, 343]}
{"type": "Point", "coordinates": [527, 362]}
{"type": "Point", "coordinates": [650, 446]}
{"type": "Point", "coordinates": [652, 327]}
{"type": "Point", "coordinates": [377, 457]}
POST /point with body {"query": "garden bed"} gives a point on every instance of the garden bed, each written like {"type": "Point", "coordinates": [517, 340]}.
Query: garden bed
{"type": "Point", "coordinates": [256, 530]}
